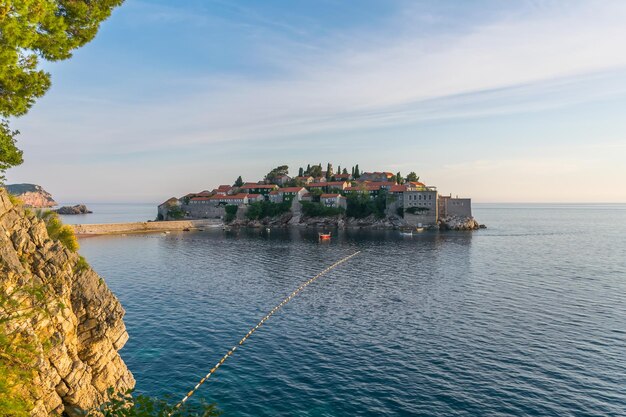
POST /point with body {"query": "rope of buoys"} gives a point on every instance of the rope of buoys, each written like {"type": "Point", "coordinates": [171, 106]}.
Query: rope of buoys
{"type": "Point", "coordinates": [259, 324]}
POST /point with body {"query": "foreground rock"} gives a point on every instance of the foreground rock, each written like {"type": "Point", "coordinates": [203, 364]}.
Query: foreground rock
{"type": "Point", "coordinates": [77, 209]}
{"type": "Point", "coordinates": [74, 324]}
{"type": "Point", "coordinates": [32, 195]}
{"type": "Point", "coordinates": [459, 223]}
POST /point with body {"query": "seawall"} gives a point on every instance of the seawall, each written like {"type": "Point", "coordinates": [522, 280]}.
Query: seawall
{"type": "Point", "coordinates": [144, 227]}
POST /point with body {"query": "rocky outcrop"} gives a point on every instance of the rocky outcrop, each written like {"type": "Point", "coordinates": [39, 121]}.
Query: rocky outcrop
{"type": "Point", "coordinates": [32, 195]}
{"type": "Point", "coordinates": [77, 209]}
{"type": "Point", "coordinates": [74, 323]}
{"type": "Point", "coordinates": [459, 223]}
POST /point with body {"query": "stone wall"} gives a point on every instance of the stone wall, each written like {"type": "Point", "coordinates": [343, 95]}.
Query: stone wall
{"type": "Point", "coordinates": [204, 211]}
{"type": "Point", "coordinates": [74, 325]}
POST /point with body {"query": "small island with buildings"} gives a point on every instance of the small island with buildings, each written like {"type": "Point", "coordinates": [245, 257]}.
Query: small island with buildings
{"type": "Point", "coordinates": [326, 198]}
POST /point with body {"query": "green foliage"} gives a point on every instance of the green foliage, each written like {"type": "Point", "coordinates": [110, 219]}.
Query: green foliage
{"type": "Point", "coordinates": [315, 171]}
{"type": "Point", "coordinates": [277, 172]}
{"type": "Point", "coordinates": [356, 173]}
{"type": "Point", "coordinates": [319, 210]}
{"type": "Point", "coordinates": [175, 212]}
{"type": "Point", "coordinates": [300, 172]}
{"type": "Point", "coordinates": [329, 171]}
{"type": "Point", "coordinates": [345, 171]}
{"type": "Point", "coordinates": [15, 200]}
{"type": "Point", "coordinates": [18, 350]}
{"type": "Point", "coordinates": [238, 183]}
{"type": "Point", "coordinates": [399, 179]}
{"type": "Point", "coordinates": [412, 177]}
{"type": "Point", "coordinates": [400, 211]}
{"type": "Point", "coordinates": [58, 231]}
{"type": "Point", "coordinates": [417, 210]}
{"type": "Point", "coordinates": [81, 265]}
{"type": "Point", "coordinates": [50, 29]}
{"type": "Point", "coordinates": [360, 205]}
{"type": "Point", "coordinates": [127, 405]}
{"type": "Point", "coordinates": [231, 212]}
{"type": "Point", "coordinates": [263, 209]}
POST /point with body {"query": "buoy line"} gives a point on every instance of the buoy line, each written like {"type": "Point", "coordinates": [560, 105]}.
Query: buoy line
{"type": "Point", "coordinates": [255, 328]}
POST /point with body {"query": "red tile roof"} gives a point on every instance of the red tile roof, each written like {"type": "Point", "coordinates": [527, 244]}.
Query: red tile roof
{"type": "Point", "coordinates": [224, 187]}
{"type": "Point", "coordinates": [252, 185]}
{"type": "Point", "coordinates": [290, 189]}
{"type": "Point", "coordinates": [328, 184]}
{"type": "Point", "coordinates": [239, 196]}
{"type": "Point", "coordinates": [398, 188]}
{"type": "Point", "coordinates": [331, 196]}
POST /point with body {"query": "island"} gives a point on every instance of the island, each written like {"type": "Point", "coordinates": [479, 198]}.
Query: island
{"type": "Point", "coordinates": [326, 198]}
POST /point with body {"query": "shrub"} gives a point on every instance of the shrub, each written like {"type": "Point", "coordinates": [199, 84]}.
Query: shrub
{"type": "Point", "coordinates": [263, 209]}
{"type": "Point", "coordinates": [417, 210]}
{"type": "Point", "coordinates": [16, 201]}
{"type": "Point", "coordinates": [400, 211]}
{"type": "Point", "coordinates": [58, 231]}
{"type": "Point", "coordinates": [319, 210]}
{"type": "Point", "coordinates": [81, 265]}
{"type": "Point", "coordinates": [125, 405]}
{"type": "Point", "coordinates": [231, 212]}
{"type": "Point", "coordinates": [175, 213]}
{"type": "Point", "coordinates": [360, 205]}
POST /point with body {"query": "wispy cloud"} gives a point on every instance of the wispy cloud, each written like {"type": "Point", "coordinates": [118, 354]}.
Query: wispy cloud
{"type": "Point", "coordinates": [532, 57]}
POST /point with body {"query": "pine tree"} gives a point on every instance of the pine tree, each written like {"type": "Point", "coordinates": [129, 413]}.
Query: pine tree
{"type": "Point", "coordinates": [300, 172]}
{"type": "Point", "coordinates": [308, 169]}
{"type": "Point", "coordinates": [238, 182]}
{"type": "Point", "coordinates": [357, 173]}
{"type": "Point", "coordinates": [345, 171]}
{"type": "Point", "coordinates": [398, 178]}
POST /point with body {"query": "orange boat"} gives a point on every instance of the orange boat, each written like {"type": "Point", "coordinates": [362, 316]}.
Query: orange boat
{"type": "Point", "coordinates": [324, 236]}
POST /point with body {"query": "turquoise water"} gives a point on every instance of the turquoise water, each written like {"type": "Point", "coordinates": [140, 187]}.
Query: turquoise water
{"type": "Point", "coordinates": [526, 318]}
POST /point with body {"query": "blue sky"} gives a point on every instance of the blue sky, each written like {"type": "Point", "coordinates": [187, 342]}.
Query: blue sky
{"type": "Point", "coordinates": [501, 101]}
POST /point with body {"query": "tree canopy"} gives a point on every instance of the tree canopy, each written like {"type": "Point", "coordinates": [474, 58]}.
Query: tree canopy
{"type": "Point", "coordinates": [412, 177]}
{"type": "Point", "coordinates": [31, 30]}
{"type": "Point", "coordinates": [277, 172]}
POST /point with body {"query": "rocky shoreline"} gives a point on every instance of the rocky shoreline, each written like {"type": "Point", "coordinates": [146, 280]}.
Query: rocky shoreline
{"type": "Point", "coordinates": [370, 222]}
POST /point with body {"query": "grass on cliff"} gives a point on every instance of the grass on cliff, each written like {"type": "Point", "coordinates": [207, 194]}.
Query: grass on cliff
{"type": "Point", "coordinates": [57, 230]}
{"type": "Point", "coordinates": [15, 200]}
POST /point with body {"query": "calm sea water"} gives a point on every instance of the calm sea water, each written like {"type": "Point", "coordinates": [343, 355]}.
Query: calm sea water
{"type": "Point", "coordinates": [112, 213]}
{"type": "Point", "coordinates": [526, 318]}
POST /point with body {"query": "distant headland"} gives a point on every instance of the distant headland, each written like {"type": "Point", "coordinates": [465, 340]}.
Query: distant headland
{"type": "Point", "coordinates": [326, 198]}
{"type": "Point", "coordinates": [32, 195]}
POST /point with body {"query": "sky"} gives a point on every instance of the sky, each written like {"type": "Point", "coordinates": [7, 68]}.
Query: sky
{"type": "Point", "coordinates": [499, 101]}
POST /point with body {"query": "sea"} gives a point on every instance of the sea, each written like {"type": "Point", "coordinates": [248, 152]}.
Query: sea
{"type": "Point", "coordinates": [524, 318]}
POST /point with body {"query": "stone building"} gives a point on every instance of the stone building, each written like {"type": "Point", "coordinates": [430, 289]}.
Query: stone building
{"type": "Point", "coordinates": [449, 206]}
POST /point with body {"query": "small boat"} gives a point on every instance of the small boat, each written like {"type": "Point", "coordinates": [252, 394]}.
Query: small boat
{"type": "Point", "coordinates": [267, 229]}
{"type": "Point", "coordinates": [406, 233]}
{"type": "Point", "coordinates": [324, 236]}
{"type": "Point", "coordinates": [420, 229]}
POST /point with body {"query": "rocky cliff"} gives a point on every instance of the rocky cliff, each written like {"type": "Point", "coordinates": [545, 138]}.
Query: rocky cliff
{"type": "Point", "coordinates": [64, 310]}
{"type": "Point", "coordinates": [32, 195]}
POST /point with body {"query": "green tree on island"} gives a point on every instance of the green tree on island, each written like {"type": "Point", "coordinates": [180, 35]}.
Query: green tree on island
{"type": "Point", "coordinates": [276, 172]}
{"type": "Point", "coordinates": [30, 30]}
{"type": "Point", "coordinates": [238, 182]}
{"type": "Point", "coordinates": [412, 177]}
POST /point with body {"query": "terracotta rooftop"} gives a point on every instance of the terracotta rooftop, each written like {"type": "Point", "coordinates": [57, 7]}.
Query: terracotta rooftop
{"type": "Point", "coordinates": [290, 189]}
